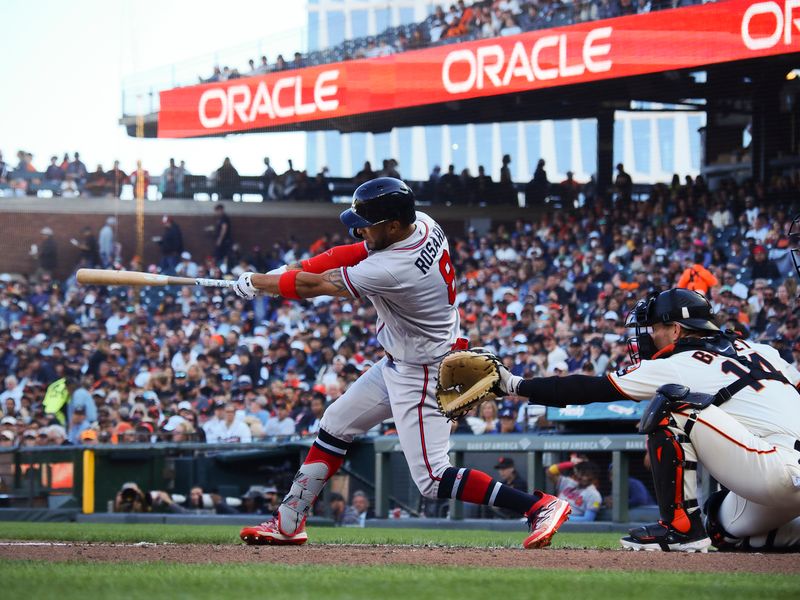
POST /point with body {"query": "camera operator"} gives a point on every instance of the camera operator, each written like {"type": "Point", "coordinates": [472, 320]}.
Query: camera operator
{"type": "Point", "coordinates": [132, 499]}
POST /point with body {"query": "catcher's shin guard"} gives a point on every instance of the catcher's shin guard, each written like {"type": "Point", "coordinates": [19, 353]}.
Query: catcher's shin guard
{"type": "Point", "coordinates": [672, 461]}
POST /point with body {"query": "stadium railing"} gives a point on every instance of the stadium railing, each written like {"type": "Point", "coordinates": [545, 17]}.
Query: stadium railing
{"type": "Point", "coordinates": [54, 477]}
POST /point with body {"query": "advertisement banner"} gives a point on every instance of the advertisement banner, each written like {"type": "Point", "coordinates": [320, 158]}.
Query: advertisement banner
{"type": "Point", "coordinates": [623, 410]}
{"type": "Point", "coordinates": [634, 45]}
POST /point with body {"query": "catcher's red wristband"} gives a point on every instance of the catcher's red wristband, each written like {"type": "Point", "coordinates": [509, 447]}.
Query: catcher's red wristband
{"type": "Point", "coordinates": [338, 256]}
{"type": "Point", "coordinates": [287, 285]}
{"type": "Point", "coordinates": [565, 466]}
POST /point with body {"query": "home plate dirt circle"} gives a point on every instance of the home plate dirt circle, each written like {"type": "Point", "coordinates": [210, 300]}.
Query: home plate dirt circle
{"type": "Point", "coordinates": [365, 555]}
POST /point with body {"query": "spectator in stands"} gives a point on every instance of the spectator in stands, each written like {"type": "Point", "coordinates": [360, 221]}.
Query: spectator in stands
{"type": "Point", "coordinates": [7, 438]}
{"type": "Point", "coordinates": [342, 514]}
{"type": "Point", "coordinates": [538, 187]}
{"type": "Point", "coordinates": [171, 243]}
{"type": "Point", "coordinates": [638, 494]}
{"type": "Point", "coordinates": [762, 267]}
{"type": "Point", "coordinates": [228, 180]}
{"type": "Point", "coordinates": [280, 63]}
{"type": "Point", "coordinates": [579, 490]}
{"type": "Point", "coordinates": [233, 430]}
{"type": "Point", "coordinates": [364, 174]}
{"type": "Point", "coordinates": [360, 504]}
{"type": "Point", "coordinates": [570, 190]}
{"type": "Point", "coordinates": [87, 245]}
{"type": "Point", "coordinates": [78, 424]}
{"type": "Point", "coordinates": [223, 236]}
{"type": "Point", "coordinates": [116, 179]}
{"type": "Point", "coordinates": [106, 244]}
{"type": "Point", "coordinates": [449, 187]}
{"type": "Point", "coordinates": [268, 178]}
{"type": "Point", "coordinates": [46, 252]}
{"type": "Point", "coordinates": [97, 183]}
{"type": "Point", "coordinates": [140, 180]}
{"type": "Point", "coordinates": [169, 181]}
{"type": "Point", "coordinates": [76, 171]}
{"type": "Point", "coordinates": [623, 184]}
{"type": "Point", "coordinates": [507, 419]}
{"type": "Point", "coordinates": [3, 170]}
{"type": "Point", "coordinates": [54, 176]}
{"type": "Point", "coordinates": [696, 277]}
{"type": "Point", "coordinates": [281, 424]}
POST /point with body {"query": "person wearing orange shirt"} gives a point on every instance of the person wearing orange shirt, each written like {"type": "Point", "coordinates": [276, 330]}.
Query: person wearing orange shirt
{"type": "Point", "coordinates": [697, 278]}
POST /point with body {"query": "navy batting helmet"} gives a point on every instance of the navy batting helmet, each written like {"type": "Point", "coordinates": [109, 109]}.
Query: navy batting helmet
{"type": "Point", "coordinates": [379, 200]}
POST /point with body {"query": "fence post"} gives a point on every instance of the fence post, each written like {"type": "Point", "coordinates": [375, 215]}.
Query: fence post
{"type": "Point", "coordinates": [87, 498]}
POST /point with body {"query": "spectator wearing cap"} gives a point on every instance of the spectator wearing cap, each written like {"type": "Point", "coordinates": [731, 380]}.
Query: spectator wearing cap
{"type": "Point", "coordinates": [579, 490]}
{"type": "Point", "coordinates": [577, 355]}
{"type": "Point", "coordinates": [762, 267]}
{"type": "Point", "coordinates": [507, 419]}
{"type": "Point", "coordinates": [7, 438]}
{"type": "Point", "coordinates": [78, 423]}
{"type": "Point", "coordinates": [560, 369]}
{"type": "Point", "coordinates": [507, 473]}
{"type": "Point", "coordinates": [598, 356]}
{"type": "Point", "coordinates": [343, 515]}
{"type": "Point", "coordinates": [282, 423]}
{"type": "Point", "coordinates": [260, 499]}
{"type": "Point", "coordinates": [187, 267]}
{"type": "Point", "coordinates": [88, 437]}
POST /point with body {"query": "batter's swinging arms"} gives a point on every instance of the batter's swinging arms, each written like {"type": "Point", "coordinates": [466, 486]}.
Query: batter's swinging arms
{"type": "Point", "coordinates": [403, 267]}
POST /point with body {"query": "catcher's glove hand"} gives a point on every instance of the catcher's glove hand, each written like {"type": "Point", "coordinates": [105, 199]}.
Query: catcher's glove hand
{"type": "Point", "coordinates": [467, 378]}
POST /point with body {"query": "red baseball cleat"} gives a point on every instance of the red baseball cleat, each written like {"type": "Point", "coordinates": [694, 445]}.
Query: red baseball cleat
{"type": "Point", "coordinates": [544, 519]}
{"type": "Point", "coordinates": [269, 533]}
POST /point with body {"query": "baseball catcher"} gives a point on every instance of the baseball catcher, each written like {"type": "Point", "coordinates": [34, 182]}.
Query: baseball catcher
{"type": "Point", "coordinates": [716, 399]}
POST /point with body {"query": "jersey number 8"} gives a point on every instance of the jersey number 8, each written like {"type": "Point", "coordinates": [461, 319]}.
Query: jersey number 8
{"type": "Point", "coordinates": [449, 276]}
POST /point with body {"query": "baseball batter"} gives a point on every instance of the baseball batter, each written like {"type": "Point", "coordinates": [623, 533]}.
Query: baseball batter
{"type": "Point", "coordinates": [741, 421]}
{"type": "Point", "coordinates": [403, 267]}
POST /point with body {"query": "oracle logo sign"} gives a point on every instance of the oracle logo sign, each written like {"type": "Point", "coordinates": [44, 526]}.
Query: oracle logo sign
{"type": "Point", "coordinates": [546, 58]}
{"type": "Point", "coordinates": [779, 20]}
{"type": "Point", "coordinates": [219, 107]}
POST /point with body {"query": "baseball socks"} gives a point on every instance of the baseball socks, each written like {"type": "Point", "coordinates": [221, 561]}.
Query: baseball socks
{"type": "Point", "coordinates": [471, 485]}
{"type": "Point", "coordinates": [324, 459]}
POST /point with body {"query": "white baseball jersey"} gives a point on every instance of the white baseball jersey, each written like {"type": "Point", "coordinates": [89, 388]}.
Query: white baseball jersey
{"type": "Point", "coordinates": [749, 444]}
{"type": "Point", "coordinates": [766, 407]}
{"type": "Point", "coordinates": [412, 286]}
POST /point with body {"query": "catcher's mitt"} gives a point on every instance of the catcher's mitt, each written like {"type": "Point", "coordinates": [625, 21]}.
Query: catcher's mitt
{"type": "Point", "coordinates": [466, 378]}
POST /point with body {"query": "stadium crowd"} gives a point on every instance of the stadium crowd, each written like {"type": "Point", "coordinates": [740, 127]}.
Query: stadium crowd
{"type": "Point", "coordinates": [461, 21]}
{"type": "Point", "coordinates": [82, 365]}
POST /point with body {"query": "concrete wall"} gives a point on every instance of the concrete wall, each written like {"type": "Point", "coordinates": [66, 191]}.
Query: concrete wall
{"type": "Point", "coordinates": [21, 220]}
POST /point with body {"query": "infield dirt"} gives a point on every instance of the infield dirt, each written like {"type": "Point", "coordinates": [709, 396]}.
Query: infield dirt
{"type": "Point", "coordinates": [366, 555]}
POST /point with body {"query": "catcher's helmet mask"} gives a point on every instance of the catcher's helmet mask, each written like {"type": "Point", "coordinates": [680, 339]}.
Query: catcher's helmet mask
{"type": "Point", "coordinates": [688, 308]}
{"type": "Point", "coordinates": [378, 201]}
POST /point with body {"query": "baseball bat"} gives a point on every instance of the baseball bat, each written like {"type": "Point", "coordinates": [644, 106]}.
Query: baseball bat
{"type": "Point", "coordinates": [106, 277]}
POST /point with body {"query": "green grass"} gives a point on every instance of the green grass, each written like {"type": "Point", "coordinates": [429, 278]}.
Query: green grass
{"type": "Point", "coordinates": [225, 534]}
{"type": "Point", "coordinates": [63, 581]}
